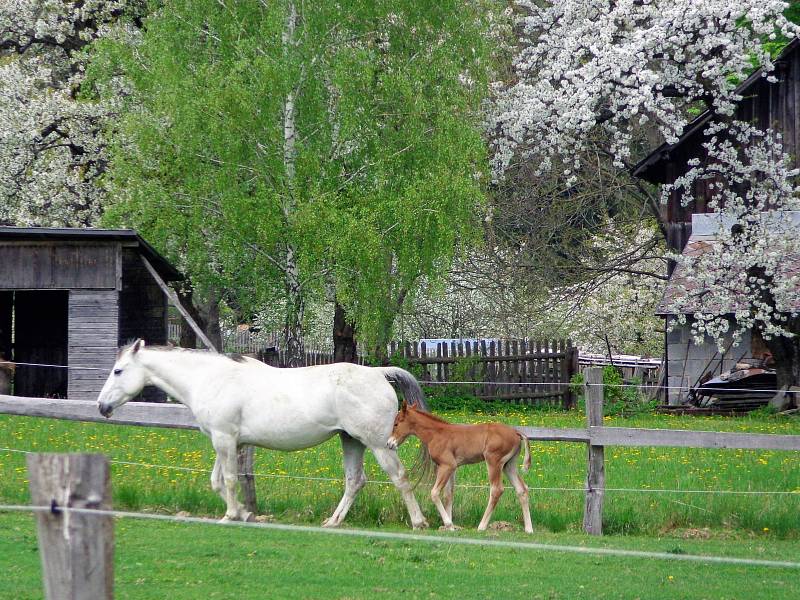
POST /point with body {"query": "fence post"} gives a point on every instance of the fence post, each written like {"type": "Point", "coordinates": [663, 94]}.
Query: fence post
{"type": "Point", "coordinates": [246, 479]}
{"type": "Point", "coordinates": [77, 550]}
{"type": "Point", "coordinates": [595, 474]}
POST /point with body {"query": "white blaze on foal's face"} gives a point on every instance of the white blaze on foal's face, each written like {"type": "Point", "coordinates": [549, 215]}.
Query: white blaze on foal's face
{"type": "Point", "coordinates": [125, 381]}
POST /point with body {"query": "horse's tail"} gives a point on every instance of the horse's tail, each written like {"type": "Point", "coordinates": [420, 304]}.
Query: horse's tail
{"type": "Point", "coordinates": [408, 384]}
{"type": "Point", "coordinates": [526, 463]}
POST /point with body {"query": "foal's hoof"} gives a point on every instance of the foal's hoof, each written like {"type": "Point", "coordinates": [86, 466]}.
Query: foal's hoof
{"type": "Point", "coordinates": [421, 525]}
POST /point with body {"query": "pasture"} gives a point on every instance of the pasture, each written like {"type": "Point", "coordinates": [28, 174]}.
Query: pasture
{"type": "Point", "coordinates": [244, 564]}
{"type": "Point", "coordinates": [302, 487]}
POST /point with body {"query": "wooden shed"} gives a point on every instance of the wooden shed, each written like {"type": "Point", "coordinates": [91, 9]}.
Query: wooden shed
{"type": "Point", "coordinates": [765, 104]}
{"type": "Point", "coordinates": [71, 297]}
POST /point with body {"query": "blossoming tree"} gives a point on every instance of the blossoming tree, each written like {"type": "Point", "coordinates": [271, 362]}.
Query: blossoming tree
{"type": "Point", "coordinates": [52, 151]}
{"type": "Point", "coordinates": [606, 79]}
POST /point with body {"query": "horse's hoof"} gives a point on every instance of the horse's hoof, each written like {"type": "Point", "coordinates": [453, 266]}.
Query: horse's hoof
{"type": "Point", "coordinates": [330, 523]}
{"type": "Point", "coordinates": [248, 517]}
{"type": "Point", "coordinates": [421, 525]}
{"type": "Point", "coordinates": [225, 519]}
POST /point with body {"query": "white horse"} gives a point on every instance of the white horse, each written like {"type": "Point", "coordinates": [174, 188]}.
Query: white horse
{"type": "Point", "coordinates": [238, 400]}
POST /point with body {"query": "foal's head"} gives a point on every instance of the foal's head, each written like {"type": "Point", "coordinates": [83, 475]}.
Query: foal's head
{"type": "Point", "coordinates": [403, 426]}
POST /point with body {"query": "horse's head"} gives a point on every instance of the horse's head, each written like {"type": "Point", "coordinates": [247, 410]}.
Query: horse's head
{"type": "Point", "coordinates": [125, 381]}
{"type": "Point", "coordinates": [402, 427]}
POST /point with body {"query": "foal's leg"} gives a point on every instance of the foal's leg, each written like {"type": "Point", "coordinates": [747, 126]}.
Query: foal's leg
{"type": "Point", "coordinates": [354, 478]}
{"type": "Point", "coordinates": [227, 459]}
{"type": "Point", "coordinates": [516, 480]}
{"type": "Point", "coordinates": [449, 490]}
{"type": "Point", "coordinates": [443, 474]}
{"type": "Point", "coordinates": [390, 463]}
{"type": "Point", "coordinates": [495, 491]}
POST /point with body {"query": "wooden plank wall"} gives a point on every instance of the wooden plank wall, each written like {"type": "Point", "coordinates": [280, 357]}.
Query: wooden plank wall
{"type": "Point", "coordinates": [57, 265]}
{"type": "Point", "coordinates": [93, 337]}
{"type": "Point", "coordinates": [143, 311]}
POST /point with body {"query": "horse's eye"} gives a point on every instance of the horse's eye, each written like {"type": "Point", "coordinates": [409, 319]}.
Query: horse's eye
{"type": "Point", "coordinates": [117, 371]}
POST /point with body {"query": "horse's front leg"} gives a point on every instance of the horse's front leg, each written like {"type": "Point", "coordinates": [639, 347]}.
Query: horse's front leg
{"type": "Point", "coordinates": [226, 466]}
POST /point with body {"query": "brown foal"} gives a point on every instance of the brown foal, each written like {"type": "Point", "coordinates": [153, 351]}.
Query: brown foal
{"type": "Point", "coordinates": [451, 446]}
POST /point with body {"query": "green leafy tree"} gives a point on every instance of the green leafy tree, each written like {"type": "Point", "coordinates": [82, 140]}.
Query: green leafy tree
{"type": "Point", "coordinates": [282, 151]}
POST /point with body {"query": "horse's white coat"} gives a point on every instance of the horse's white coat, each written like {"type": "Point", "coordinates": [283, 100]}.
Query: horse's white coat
{"type": "Point", "coordinates": [248, 402]}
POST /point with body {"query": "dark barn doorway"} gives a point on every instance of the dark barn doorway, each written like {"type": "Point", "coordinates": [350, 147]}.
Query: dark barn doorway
{"type": "Point", "coordinates": [33, 329]}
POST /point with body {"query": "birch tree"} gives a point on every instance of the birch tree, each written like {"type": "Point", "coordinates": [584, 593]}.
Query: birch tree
{"type": "Point", "coordinates": [283, 151]}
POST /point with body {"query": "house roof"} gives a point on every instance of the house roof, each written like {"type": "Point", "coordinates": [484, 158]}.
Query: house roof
{"type": "Point", "coordinates": [70, 234]}
{"type": "Point", "coordinates": [649, 167]}
{"type": "Point", "coordinates": [705, 228]}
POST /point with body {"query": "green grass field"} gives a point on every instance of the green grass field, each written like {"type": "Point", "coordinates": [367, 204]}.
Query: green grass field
{"type": "Point", "coordinates": [191, 561]}
{"type": "Point", "coordinates": [750, 525]}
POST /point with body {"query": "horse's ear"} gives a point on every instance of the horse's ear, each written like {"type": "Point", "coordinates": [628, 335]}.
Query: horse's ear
{"type": "Point", "coordinates": [137, 345]}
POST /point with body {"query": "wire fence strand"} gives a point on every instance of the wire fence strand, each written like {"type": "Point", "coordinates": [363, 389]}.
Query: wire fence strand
{"type": "Point", "coordinates": [415, 537]}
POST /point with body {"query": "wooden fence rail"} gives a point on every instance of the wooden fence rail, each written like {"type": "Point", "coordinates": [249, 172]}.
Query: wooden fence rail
{"type": "Point", "coordinates": [595, 436]}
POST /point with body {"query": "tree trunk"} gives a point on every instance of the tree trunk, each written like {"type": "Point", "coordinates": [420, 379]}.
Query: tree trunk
{"type": "Point", "coordinates": [188, 337]}
{"type": "Point", "coordinates": [209, 318]}
{"type": "Point", "coordinates": [295, 303]}
{"type": "Point", "coordinates": [295, 311]}
{"type": "Point", "coordinates": [786, 353]}
{"type": "Point", "coordinates": [344, 343]}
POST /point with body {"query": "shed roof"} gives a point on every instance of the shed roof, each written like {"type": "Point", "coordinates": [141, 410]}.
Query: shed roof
{"type": "Point", "coordinates": [74, 234]}
{"type": "Point", "coordinates": [649, 168]}
{"type": "Point", "coordinates": [705, 228]}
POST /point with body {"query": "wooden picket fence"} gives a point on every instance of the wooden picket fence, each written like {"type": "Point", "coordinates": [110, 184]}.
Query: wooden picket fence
{"type": "Point", "coordinates": [493, 369]}
{"type": "Point", "coordinates": [519, 371]}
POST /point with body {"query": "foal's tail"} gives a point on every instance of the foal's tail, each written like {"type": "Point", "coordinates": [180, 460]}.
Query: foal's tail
{"type": "Point", "coordinates": [526, 463]}
{"type": "Point", "coordinates": [408, 384]}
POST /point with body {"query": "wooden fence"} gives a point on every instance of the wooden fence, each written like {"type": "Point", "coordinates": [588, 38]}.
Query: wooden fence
{"type": "Point", "coordinates": [595, 435]}
{"type": "Point", "coordinates": [502, 369]}
{"type": "Point", "coordinates": [496, 370]}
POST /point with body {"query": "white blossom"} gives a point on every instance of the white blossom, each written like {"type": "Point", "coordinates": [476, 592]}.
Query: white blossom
{"type": "Point", "coordinates": [587, 64]}
{"type": "Point", "coordinates": [52, 152]}
{"type": "Point", "coordinates": [752, 268]}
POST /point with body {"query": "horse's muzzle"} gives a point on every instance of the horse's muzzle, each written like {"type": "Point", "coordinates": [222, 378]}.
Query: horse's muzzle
{"type": "Point", "coordinates": [106, 410]}
{"type": "Point", "coordinates": [391, 443]}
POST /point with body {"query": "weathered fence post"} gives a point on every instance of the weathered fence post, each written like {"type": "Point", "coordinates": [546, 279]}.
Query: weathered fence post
{"type": "Point", "coordinates": [595, 474]}
{"type": "Point", "coordinates": [77, 550]}
{"type": "Point", "coordinates": [246, 479]}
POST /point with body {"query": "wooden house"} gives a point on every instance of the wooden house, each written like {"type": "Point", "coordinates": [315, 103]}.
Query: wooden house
{"type": "Point", "coordinates": [766, 105]}
{"type": "Point", "coordinates": [71, 297]}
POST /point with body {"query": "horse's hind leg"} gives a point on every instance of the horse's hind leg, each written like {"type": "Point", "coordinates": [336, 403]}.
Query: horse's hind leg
{"type": "Point", "coordinates": [522, 492]}
{"type": "Point", "coordinates": [389, 462]}
{"type": "Point", "coordinates": [495, 491]}
{"type": "Point", "coordinates": [227, 461]}
{"type": "Point", "coordinates": [354, 478]}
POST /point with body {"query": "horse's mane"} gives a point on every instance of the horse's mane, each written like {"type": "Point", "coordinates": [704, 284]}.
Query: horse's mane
{"type": "Point", "coordinates": [235, 357]}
